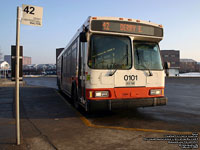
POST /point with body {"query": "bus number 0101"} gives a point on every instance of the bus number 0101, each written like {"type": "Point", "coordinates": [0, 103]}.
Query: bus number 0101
{"type": "Point", "coordinates": [130, 77]}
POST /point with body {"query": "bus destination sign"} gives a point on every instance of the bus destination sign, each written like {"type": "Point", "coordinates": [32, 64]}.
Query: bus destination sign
{"type": "Point", "coordinates": [126, 27]}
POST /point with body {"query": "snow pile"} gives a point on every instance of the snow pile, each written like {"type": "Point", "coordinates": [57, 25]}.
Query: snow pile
{"type": "Point", "coordinates": [190, 74]}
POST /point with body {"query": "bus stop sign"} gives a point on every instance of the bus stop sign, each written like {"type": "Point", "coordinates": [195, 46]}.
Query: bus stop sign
{"type": "Point", "coordinates": [32, 15]}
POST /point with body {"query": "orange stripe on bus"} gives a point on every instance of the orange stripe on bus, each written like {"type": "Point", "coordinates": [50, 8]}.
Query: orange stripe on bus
{"type": "Point", "coordinates": [125, 92]}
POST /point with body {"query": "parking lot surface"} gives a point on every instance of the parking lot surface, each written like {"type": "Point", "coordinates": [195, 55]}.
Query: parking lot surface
{"type": "Point", "coordinates": [48, 121]}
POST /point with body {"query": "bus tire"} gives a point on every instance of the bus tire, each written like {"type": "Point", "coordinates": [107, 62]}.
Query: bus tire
{"type": "Point", "coordinates": [87, 108]}
{"type": "Point", "coordinates": [75, 98]}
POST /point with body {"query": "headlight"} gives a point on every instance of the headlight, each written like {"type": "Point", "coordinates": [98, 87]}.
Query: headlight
{"type": "Point", "coordinates": [101, 94]}
{"type": "Point", "coordinates": [155, 92]}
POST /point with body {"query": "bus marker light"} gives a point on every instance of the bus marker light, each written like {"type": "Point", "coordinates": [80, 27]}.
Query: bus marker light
{"type": "Point", "coordinates": [90, 94]}
{"type": "Point", "coordinates": [162, 91]}
{"type": "Point", "coordinates": [137, 20]}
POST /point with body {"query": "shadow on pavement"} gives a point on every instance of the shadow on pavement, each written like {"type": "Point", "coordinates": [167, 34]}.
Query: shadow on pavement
{"type": "Point", "coordinates": [43, 103]}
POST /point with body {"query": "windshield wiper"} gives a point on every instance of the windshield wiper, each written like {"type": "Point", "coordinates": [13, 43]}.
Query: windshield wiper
{"type": "Point", "coordinates": [150, 73]}
{"type": "Point", "coordinates": [147, 68]}
{"type": "Point", "coordinates": [111, 74]}
{"type": "Point", "coordinates": [122, 60]}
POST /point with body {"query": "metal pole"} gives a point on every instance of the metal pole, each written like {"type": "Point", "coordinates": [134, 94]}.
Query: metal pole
{"type": "Point", "coordinates": [4, 73]}
{"type": "Point", "coordinates": [17, 77]}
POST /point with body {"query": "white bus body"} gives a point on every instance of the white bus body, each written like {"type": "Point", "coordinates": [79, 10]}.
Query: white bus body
{"type": "Point", "coordinates": [113, 63]}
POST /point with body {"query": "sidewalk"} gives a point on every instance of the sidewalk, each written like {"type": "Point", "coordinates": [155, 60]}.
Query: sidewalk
{"type": "Point", "coordinates": [7, 121]}
{"type": "Point", "coordinates": [42, 113]}
{"type": "Point", "coordinates": [9, 83]}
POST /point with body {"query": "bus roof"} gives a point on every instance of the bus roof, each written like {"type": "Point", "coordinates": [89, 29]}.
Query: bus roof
{"type": "Point", "coordinates": [119, 25]}
{"type": "Point", "coordinates": [125, 25]}
{"type": "Point", "coordinates": [123, 19]}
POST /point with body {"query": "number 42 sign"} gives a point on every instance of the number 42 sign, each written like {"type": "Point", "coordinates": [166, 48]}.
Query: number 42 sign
{"type": "Point", "coordinates": [32, 15]}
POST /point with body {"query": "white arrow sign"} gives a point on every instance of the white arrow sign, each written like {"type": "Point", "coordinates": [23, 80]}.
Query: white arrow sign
{"type": "Point", "coordinates": [32, 15]}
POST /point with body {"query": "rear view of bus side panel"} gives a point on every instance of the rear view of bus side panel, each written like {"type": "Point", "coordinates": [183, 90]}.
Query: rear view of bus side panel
{"type": "Point", "coordinates": [73, 62]}
{"type": "Point", "coordinates": [67, 65]}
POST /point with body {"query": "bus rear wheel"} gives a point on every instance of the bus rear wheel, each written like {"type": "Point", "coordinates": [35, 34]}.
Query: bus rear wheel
{"type": "Point", "coordinates": [75, 98]}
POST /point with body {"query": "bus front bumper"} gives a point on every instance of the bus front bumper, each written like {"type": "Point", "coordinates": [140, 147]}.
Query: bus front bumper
{"type": "Point", "coordinates": [96, 105]}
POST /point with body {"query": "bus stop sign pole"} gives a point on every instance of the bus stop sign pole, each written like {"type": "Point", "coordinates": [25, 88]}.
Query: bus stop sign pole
{"type": "Point", "coordinates": [32, 15]}
{"type": "Point", "coordinates": [17, 76]}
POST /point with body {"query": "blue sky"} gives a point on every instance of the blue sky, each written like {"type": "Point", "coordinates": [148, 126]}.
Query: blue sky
{"type": "Point", "coordinates": [62, 18]}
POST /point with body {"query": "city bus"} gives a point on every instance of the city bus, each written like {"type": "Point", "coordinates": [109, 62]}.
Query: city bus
{"type": "Point", "coordinates": [113, 63]}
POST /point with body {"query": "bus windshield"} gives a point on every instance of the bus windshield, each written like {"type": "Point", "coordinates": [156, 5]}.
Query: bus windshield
{"type": "Point", "coordinates": [147, 56]}
{"type": "Point", "coordinates": [110, 52]}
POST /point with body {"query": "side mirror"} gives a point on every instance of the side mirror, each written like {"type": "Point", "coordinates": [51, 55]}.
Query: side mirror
{"type": "Point", "coordinates": [166, 65]}
{"type": "Point", "coordinates": [83, 37]}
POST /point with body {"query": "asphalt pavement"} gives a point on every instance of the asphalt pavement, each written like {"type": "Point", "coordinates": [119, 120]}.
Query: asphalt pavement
{"type": "Point", "coordinates": [49, 122]}
{"type": "Point", "coordinates": [182, 112]}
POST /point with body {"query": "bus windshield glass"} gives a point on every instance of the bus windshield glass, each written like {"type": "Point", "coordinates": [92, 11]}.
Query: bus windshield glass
{"type": "Point", "coordinates": [147, 56]}
{"type": "Point", "coordinates": [110, 52]}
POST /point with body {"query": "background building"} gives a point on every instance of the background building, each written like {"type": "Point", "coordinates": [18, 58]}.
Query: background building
{"type": "Point", "coordinates": [198, 66]}
{"type": "Point", "coordinates": [173, 57]}
{"type": "Point", "coordinates": [26, 60]}
{"type": "Point", "coordinates": [188, 65]}
{"type": "Point", "coordinates": [8, 59]}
